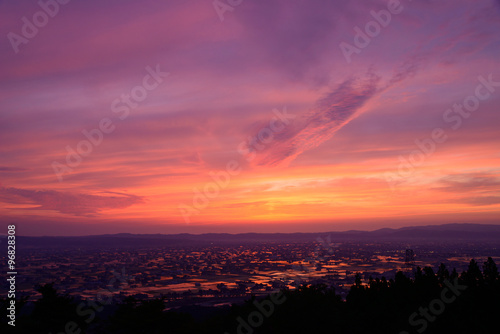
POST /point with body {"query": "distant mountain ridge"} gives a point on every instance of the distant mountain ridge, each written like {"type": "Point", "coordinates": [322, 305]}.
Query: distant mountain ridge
{"type": "Point", "coordinates": [447, 232]}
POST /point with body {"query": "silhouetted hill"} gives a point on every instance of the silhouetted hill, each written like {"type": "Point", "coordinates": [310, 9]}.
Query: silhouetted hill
{"type": "Point", "coordinates": [448, 232]}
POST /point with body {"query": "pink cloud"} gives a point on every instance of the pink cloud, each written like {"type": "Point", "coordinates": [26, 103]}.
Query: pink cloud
{"type": "Point", "coordinates": [77, 204]}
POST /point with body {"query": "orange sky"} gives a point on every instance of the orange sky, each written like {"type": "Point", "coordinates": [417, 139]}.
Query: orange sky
{"type": "Point", "coordinates": [153, 100]}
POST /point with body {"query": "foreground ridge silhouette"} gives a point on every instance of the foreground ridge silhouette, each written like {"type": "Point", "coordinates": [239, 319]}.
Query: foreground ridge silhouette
{"type": "Point", "coordinates": [471, 305]}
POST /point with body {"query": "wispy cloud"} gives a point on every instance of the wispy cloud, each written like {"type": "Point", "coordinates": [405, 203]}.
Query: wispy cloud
{"type": "Point", "coordinates": [319, 124]}
{"type": "Point", "coordinates": [330, 114]}
{"type": "Point", "coordinates": [12, 169]}
{"type": "Point", "coordinates": [77, 204]}
{"type": "Point", "coordinates": [475, 189]}
{"type": "Point", "coordinates": [481, 201]}
{"type": "Point", "coordinates": [470, 182]}
{"type": "Point", "coordinates": [226, 80]}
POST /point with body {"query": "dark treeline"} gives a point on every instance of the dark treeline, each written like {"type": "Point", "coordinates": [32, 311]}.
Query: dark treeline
{"type": "Point", "coordinates": [431, 302]}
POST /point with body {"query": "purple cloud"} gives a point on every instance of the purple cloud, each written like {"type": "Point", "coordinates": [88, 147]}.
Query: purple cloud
{"type": "Point", "coordinates": [67, 202]}
{"type": "Point", "coordinates": [12, 169]}
{"type": "Point", "coordinates": [329, 115]}
{"type": "Point", "coordinates": [470, 182]}
{"type": "Point", "coordinates": [481, 201]}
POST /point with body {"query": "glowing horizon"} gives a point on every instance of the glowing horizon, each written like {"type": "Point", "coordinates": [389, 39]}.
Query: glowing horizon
{"type": "Point", "coordinates": [264, 113]}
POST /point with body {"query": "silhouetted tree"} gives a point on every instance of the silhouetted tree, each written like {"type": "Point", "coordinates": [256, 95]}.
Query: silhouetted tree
{"type": "Point", "coordinates": [54, 313]}
{"type": "Point", "coordinates": [490, 271]}
{"type": "Point", "coordinates": [473, 276]}
{"type": "Point", "coordinates": [443, 274]}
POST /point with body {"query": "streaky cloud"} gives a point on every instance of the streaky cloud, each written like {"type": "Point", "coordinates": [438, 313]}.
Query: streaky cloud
{"type": "Point", "coordinates": [330, 114]}
{"type": "Point", "coordinates": [77, 204]}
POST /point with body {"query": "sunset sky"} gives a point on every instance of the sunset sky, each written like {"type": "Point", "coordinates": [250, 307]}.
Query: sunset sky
{"type": "Point", "coordinates": [266, 116]}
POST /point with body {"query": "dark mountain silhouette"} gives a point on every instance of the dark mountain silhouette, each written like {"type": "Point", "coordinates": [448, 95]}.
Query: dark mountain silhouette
{"type": "Point", "coordinates": [431, 233]}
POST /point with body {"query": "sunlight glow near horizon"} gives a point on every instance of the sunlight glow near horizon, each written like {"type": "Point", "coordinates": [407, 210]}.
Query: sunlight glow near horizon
{"type": "Point", "coordinates": [326, 169]}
